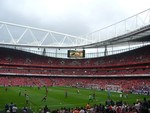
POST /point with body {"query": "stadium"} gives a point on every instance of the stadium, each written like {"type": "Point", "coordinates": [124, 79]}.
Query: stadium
{"type": "Point", "coordinates": [41, 68]}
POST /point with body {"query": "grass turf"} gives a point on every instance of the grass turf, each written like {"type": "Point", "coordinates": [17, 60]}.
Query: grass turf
{"type": "Point", "coordinates": [56, 97]}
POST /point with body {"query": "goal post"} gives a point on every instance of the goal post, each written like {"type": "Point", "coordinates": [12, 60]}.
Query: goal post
{"type": "Point", "coordinates": [114, 88]}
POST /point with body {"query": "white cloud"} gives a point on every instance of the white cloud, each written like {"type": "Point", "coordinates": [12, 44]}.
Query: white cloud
{"type": "Point", "coordinates": [75, 17]}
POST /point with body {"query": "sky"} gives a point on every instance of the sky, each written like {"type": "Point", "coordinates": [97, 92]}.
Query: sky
{"type": "Point", "coordinates": [74, 17]}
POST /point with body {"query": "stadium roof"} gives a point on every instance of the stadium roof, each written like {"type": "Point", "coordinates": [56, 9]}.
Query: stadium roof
{"type": "Point", "coordinates": [133, 29]}
{"type": "Point", "coordinates": [137, 36]}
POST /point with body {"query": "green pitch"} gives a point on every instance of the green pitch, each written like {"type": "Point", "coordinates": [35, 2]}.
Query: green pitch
{"type": "Point", "coordinates": [56, 97]}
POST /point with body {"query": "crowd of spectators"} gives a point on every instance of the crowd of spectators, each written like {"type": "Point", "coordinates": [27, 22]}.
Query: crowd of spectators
{"type": "Point", "coordinates": [12, 108]}
{"type": "Point", "coordinates": [135, 62]}
{"type": "Point", "coordinates": [109, 107]}
{"type": "Point", "coordinates": [16, 57]}
{"type": "Point", "coordinates": [132, 62]}
{"type": "Point", "coordinates": [134, 84]}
